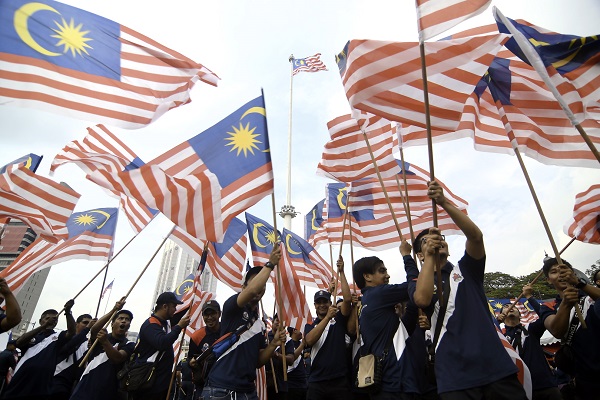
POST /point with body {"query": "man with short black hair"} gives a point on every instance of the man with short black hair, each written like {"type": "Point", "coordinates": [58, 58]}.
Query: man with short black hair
{"type": "Point", "coordinates": [201, 340]}
{"type": "Point", "coordinates": [327, 338]}
{"type": "Point", "coordinates": [470, 360]}
{"type": "Point", "coordinates": [562, 322]}
{"type": "Point", "coordinates": [67, 371]}
{"type": "Point", "coordinates": [155, 342]}
{"type": "Point", "coordinates": [40, 348]}
{"type": "Point", "coordinates": [99, 379]}
{"type": "Point", "coordinates": [233, 374]}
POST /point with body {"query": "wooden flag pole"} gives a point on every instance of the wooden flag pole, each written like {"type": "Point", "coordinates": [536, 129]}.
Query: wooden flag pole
{"type": "Point", "coordinates": [85, 358]}
{"type": "Point", "coordinates": [536, 279]}
{"type": "Point", "coordinates": [279, 302]}
{"type": "Point", "coordinates": [438, 267]}
{"type": "Point", "coordinates": [539, 208]}
{"type": "Point", "coordinates": [588, 141]}
{"type": "Point", "coordinates": [406, 199]}
{"type": "Point", "coordinates": [351, 248]}
{"type": "Point", "coordinates": [183, 331]}
{"type": "Point", "coordinates": [101, 269]}
{"type": "Point", "coordinates": [385, 193]}
{"type": "Point", "coordinates": [262, 308]}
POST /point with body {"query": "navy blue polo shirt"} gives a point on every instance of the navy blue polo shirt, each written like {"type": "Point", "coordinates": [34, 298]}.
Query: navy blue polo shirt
{"type": "Point", "coordinates": [236, 368]}
{"type": "Point", "coordinates": [469, 353]}
{"type": "Point", "coordinates": [329, 352]}
{"type": "Point", "coordinates": [39, 361]}
{"type": "Point", "coordinates": [67, 371]}
{"type": "Point", "coordinates": [296, 373]}
{"type": "Point", "coordinates": [99, 379]}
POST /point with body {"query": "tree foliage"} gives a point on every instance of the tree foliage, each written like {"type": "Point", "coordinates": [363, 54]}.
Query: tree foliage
{"type": "Point", "coordinates": [502, 286]}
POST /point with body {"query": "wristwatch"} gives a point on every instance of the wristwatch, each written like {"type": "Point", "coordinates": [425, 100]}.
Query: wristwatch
{"type": "Point", "coordinates": [581, 283]}
{"type": "Point", "coordinates": [269, 264]}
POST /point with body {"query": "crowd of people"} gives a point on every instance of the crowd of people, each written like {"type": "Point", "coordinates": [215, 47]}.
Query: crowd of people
{"type": "Point", "coordinates": [431, 337]}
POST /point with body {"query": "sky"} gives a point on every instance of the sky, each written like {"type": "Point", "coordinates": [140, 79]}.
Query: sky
{"type": "Point", "coordinates": [247, 44]}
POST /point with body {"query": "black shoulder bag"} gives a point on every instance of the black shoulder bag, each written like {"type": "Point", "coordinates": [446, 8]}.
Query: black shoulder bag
{"type": "Point", "coordinates": [138, 376]}
{"type": "Point", "coordinates": [430, 365]}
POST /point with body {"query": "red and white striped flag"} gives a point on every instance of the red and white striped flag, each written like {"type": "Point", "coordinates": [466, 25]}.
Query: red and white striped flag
{"type": "Point", "coordinates": [308, 64]}
{"type": "Point", "coordinates": [91, 239]}
{"type": "Point", "coordinates": [296, 312]}
{"type": "Point", "coordinates": [523, 374]}
{"type": "Point", "coordinates": [310, 268]}
{"type": "Point", "coordinates": [261, 383]}
{"type": "Point", "coordinates": [346, 156]}
{"type": "Point", "coordinates": [124, 78]}
{"type": "Point", "coordinates": [384, 78]}
{"type": "Point", "coordinates": [585, 224]}
{"type": "Point", "coordinates": [437, 16]}
{"type": "Point", "coordinates": [39, 202]}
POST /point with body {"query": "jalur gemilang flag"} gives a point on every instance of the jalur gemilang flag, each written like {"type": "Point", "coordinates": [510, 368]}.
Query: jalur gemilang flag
{"type": "Point", "coordinates": [59, 58]}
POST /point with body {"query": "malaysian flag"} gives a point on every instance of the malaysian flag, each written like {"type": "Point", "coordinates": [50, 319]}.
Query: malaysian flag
{"type": "Point", "coordinates": [262, 237]}
{"type": "Point", "coordinates": [568, 64]}
{"type": "Point", "coordinates": [437, 16]}
{"type": "Point", "coordinates": [30, 161]}
{"type": "Point", "coordinates": [347, 157]}
{"type": "Point", "coordinates": [79, 64]}
{"type": "Point", "coordinates": [203, 183]}
{"type": "Point", "coordinates": [528, 314]}
{"type": "Point", "coordinates": [314, 229]}
{"type": "Point", "coordinates": [523, 374]}
{"type": "Point", "coordinates": [585, 223]}
{"type": "Point", "coordinates": [261, 383]}
{"type": "Point", "coordinates": [39, 202]}
{"type": "Point", "coordinates": [384, 78]}
{"type": "Point", "coordinates": [294, 307]}
{"type": "Point", "coordinates": [107, 288]}
{"type": "Point", "coordinates": [91, 235]}
{"type": "Point", "coordinates": [308, 64]}
{"type": "Point", "coordinates": [310, 268]}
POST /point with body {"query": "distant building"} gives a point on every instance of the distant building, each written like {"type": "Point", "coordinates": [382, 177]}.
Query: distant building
{"type": "Point", "coordinates": [176, 265]}
{"type": "Point", "coordinates": [15, 237]}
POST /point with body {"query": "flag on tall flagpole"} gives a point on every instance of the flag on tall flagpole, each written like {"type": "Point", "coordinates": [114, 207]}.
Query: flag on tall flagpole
{"type": "Point", "coordinates": [262, 238]}
{"type": "Point", "coordinates": [308, 64]}
{"type": "Point", "coordinates": [107, 288]}
{"type": "Point", "coordinates": [91, 236]}
{"type": "Point", "coordinates": [30, 161]}
{"type": "Point", "coordinates": [437, 16]}
{"type": "Point", "coordinates": [62, 59]}
{"type": "Point", "coordinates": [585, 223]}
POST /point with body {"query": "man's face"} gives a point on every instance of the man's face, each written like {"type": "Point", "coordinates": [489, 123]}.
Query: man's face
{"type": "Point", "coordinates": [53, 318]}
{"type": "Point", "coordinates": [443, 251]}
{"type": "Point", "coordinates": [275, 324]}
{"type": "Point", "coordinates": [256, 299]}
{"type": "Point", "coordinates": [121, 325]}
{"type": "Point", "coordinates": [82, 324]}
{"type": "Point", "coordinates": [513, 313]}
{"type": "Point", "coordinates": [322, 306]}
{"type": "Point", "coordinates": [211, 318]}
{"type": "Point", "coordinates": [553, 278]}
{"type": "Point", "coordinates": [171, 309]}
{"type": "Point", "coordinates": [379, 277]}
{"type": "Point", "coordinates": [296, 335]}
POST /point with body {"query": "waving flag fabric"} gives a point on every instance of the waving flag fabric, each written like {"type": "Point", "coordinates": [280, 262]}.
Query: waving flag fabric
{"type": "Point", "coordinates": [91, 235]}
{"type": "Point", "coordinates": [310, 268]}
{"type": "Point", "coordinates": [39, 202]}
{"type": "Point", "coordinates": [107, 288]}
{"type": "Point", "coordinates": [437, 16]}
{"type": "Point", "coordinates": [59, 58]}
{"type": "Point", "coordinates": [569, 63]}
{"type": "Point", "coordinates": [528, 314]}
{"type": "Point", "coordinates": [585, 223]}
{"type": "Point", "coordinates": [384, 78]}
{"type": "Point", "coordinates": [314, 230]}
{"type": "Point", "coordinates": [30, 161]}
{"type": "Point", "coordinates": [294, 307]}
{"type": "Point", "coordinates": [346, 156]}
{"type": "Point", "coordinates": [308, 64]}
{"type": "Point", "coordinates": [262, 237]}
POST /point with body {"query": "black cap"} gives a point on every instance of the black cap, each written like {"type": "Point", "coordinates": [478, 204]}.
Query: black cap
{"type": "Point", "coordinates": [322, 294]}
{"type": "Point", "coordinates": [211, 305]}
{"type": "Point", "coordinates": [168, 298]}
{"type": "Point", "coordinates": [11, 342]}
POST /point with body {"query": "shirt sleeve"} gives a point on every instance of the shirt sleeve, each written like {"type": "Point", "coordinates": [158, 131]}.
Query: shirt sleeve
{"type": "Point", "coordinates": [410, 266]}
{"type": "Point", "coordinates": [154, 336]}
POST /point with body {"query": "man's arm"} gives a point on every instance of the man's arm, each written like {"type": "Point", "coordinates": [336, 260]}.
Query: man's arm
{"type": "Point", "coordinates": [265, 354]}
{"type": "Point", "coordinates": [255, 286]}
{"type": "Point", "coordinates": [424, 285]}
{"type": "Point", "coordinates": [474, 245]}
{"type": "Point", "coordinates": [71, 325]}
{"type": "Point", "coordinates": [352, 323]}
{"type": "Point", "coordinates": [154, 335]}
{"type": "Point", "coordinates": [558, 324]}
{"type": "Point", "coordinates": [346, 295]}
{"type": "Point", "coordinates": [569, 276]}
{"type": "Point", "coordinates": [24, 340]}
{"type": "Point", "coordinates": [114, 355]}
{"type": "Point", "coordinates": [410, 266]}
{"type": "Point", "coordinates": [13, 311]}
{"type": "Point", "coordinates": [315, 334]}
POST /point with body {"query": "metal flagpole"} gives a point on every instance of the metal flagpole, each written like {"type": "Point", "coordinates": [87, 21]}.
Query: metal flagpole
{"type": "Point", "coordinates": [288, 211]}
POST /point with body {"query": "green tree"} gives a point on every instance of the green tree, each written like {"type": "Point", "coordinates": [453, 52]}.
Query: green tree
{"type": "Point", "coordinates": [500, 285]}
{"type": "Point", "coordinates": [592, 269]}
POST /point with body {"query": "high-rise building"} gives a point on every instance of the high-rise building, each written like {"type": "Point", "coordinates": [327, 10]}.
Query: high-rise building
{"type": "Point", "coordinates": [14, 238]}
{"type": "Point", "coordinates": [176, 265]}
